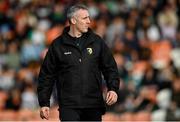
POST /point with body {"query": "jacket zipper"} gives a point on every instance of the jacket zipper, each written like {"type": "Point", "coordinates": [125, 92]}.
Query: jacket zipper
{"type": "Point", "coordinates": [80, 72]}
{"type": "Point", "coordinates": [80, 59]}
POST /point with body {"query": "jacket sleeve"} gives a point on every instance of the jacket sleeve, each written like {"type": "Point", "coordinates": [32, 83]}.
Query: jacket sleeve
{"type": "Point", "coordinates": [46, 79]}
{"type": "Point", "coordinates": [109, 68]}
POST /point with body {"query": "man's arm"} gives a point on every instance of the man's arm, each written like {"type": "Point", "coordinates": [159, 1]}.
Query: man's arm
{"type": "Point", "coordinates": [46, 82]}
{"type": "Point", "coordinates": [110, 72]}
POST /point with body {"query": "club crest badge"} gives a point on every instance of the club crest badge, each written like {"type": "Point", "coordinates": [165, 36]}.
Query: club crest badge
{"type": "Point", "coordinates": [89, 51]}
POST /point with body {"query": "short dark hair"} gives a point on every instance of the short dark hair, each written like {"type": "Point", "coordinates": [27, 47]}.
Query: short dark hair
{"type": "Point", "coordinates": [74, 8]}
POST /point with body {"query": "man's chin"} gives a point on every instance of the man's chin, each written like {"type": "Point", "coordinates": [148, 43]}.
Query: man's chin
{"type": "Point", "coordinates": [86, 30]}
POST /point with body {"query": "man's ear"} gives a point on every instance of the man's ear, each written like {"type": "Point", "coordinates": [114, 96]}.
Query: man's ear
{"type": "Point", "coordinates": [73, 20]}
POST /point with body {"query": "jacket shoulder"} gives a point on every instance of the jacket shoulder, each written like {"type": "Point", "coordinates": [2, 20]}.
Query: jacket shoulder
{"type": "Point", "coordinates": [97, 38]}
{"type": "Point", "coordinates": [57, 41]}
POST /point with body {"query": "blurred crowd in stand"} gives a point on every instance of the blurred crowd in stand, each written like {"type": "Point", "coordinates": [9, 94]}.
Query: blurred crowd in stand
{"type": "Point", "coordinates": [144, 36]}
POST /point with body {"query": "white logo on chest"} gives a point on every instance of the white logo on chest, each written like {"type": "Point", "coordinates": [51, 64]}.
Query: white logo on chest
{"type": "Point", "coordinates": [67, 53]}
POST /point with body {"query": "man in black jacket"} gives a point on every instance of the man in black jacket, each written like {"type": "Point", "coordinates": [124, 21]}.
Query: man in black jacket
{"type": "Point", "coordinates": [75, 61]}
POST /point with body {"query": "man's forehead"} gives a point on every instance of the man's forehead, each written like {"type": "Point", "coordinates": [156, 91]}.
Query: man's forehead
{"type": "Point", "coordinates": [82, 12]}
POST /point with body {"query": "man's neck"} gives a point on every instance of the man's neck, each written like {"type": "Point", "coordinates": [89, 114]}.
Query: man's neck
{"type": "Point", "coordinates": [74, 33]}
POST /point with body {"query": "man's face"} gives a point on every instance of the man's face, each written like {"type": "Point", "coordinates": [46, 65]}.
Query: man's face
{"type": "Point", "coordinates": [82, 20]}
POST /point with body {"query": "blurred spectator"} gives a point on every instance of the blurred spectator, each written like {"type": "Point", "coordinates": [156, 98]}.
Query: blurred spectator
{"type": "Point", "coordinates": [29, 98]}
{"type": "Point", "coordinates": [52, 33]}
{"type": "Point", "coordinates": [168, 21]}
{"type": "Point", "coordinates": [176, 92]}
{"type": "Point", "coordinates": [30, 52]}
{"type": "Point", "coordinates": [14, 100]}
{"type": "Point", "coordinates": [3, 99]}
{"type": "Point", "coordinates": [13, 56]}
{"type": "Point", "coordinates": [101, 28]}
{"type": "Point", "coordinates": [6, 78]}
{"type": "Point", "coordinates": [115, 29]}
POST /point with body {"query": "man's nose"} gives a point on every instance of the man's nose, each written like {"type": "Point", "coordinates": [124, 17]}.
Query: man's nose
{"type": "Point", "coordinates": [88, 21]}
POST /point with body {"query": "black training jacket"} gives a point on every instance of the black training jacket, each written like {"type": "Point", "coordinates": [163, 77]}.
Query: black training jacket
{"type": "Point", "coordinates": [77, 71]}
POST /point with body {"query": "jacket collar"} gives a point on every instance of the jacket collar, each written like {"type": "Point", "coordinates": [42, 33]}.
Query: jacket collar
{"type": "Point", "coordinates": [87, 37]}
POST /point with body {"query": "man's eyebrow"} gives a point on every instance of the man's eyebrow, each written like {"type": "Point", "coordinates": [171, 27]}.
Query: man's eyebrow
{"type": "Point", "coordinates": [86, 17]}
